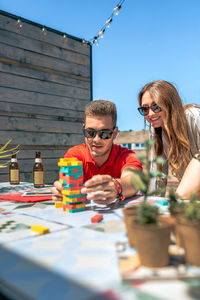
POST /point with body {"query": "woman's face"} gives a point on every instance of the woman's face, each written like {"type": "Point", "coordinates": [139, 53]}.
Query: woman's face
{"type": "Point", "coordinates": [155, 119]}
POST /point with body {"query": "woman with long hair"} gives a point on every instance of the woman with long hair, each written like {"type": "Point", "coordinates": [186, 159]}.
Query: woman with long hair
{"type": "Point", "coordinates": [176, 129]}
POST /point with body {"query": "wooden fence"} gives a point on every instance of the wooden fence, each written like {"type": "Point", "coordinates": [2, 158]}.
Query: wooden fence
{"type": "Point", "coordinates": [45, 83]}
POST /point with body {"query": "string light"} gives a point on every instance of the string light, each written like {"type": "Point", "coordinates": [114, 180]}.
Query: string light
{"type": "Point", "coordinates": [64, 37]}
{"type": "Point", "coordinates": [44, 31]}
{"type": "Point", "coordinates": [116, 10]}
{"type": "Point", "coordinates": [19, 23]}
{"type": "Point", "coordinates": [101, 33]}
{"type": "Point", "coordinates": [107, 24]}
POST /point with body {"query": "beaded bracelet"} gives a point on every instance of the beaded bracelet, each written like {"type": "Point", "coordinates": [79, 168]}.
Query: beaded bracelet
{"type": "Point", "coordinates": [119, 189]}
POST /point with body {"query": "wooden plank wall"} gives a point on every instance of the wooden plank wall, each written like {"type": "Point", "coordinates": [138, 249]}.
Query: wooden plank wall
{"type": "Point", "coordinates": [45, 83]}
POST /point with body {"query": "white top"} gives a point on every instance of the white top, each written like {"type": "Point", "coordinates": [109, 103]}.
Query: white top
{"type": "Point", "coordinates": [193, 121]}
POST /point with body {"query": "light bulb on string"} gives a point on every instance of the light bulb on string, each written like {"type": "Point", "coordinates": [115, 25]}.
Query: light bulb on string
{"type": "Point", "coordinates": [64, 37]}
{"type": "Point", "coordinates": [44, 31]}
{"type": "Point", "coordinates": [108, 22]}
{"type": "Point", "coordinates": [116, 10]}
{"type": "Point", "coordinates": [19, 23]}
{"type": "Point", "coordinates": [84, 42]}
{"type": "Point", "coordinates": [95, 41]}
{"type": "Point", "coordinates": [101, 33]}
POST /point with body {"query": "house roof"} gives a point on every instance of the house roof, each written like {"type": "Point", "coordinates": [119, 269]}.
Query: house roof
{"type": "Point", "coordinates": [129, 137]}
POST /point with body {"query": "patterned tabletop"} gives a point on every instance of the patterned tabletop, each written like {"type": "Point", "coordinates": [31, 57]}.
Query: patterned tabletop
{"type": "Point", "coordinates": [76, 260]}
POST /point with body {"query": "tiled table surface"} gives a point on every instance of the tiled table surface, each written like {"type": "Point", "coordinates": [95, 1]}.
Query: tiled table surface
{"type": "Point", "coordinates": [76, 260]}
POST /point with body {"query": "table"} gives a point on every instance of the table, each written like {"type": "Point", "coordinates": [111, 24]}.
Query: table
{"type": "Point", "coordinates": [76, 260]}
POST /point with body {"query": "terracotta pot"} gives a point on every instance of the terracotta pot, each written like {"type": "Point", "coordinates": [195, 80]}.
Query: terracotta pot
{"type": "Point", "coordinates": [129, 214]}
{"type": "Point", "coordinates": [190, 238]}
{"type": "Point", "coordinates": [172, 220]}
{"type": "Point", "coordinates": [152, 243]}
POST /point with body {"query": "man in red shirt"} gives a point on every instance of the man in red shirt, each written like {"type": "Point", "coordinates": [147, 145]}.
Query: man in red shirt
{"type": "Point", "coordinates": [104, 163]}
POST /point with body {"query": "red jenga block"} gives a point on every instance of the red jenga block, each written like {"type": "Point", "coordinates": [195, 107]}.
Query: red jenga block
{"type": "Point", "coordinates": [71, 180]}
{"type": "Point", "coordinates": [74, 188]}
{"type": "Point", "coordinates": [64, 206]}
{"type": "Point", "coordinates": [97, 218]}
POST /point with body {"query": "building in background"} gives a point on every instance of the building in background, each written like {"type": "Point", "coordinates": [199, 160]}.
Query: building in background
{"type": "Point", "coordinates": [133, 140]}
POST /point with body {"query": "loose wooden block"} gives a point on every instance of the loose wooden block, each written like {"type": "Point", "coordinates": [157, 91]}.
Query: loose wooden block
{"type": "Point", "coordinates": [97, 218]}
{"type": "Point", "coordinates": [40, 229]}
{"type": "Point", "coordinates": [58, 204]}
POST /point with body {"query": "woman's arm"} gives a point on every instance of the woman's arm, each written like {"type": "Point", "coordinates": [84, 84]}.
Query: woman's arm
{"type": "Point", "coordinates": [190, 183]}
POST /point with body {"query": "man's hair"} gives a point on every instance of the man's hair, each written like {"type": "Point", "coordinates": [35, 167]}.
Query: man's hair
{"type": "Point", "coordinates": [101, 108]}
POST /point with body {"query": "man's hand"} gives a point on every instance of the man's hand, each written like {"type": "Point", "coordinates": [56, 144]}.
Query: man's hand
{"type": "Point", "coordinates": [102, 188]}
{"type": "Point", "coordinates": [56, 191]}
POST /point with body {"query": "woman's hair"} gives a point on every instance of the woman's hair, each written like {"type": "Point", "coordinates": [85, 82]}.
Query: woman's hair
{"type": "Point", "coordinates": [175, 124]}
{"type": "Point", "coordinates": [101, 108]}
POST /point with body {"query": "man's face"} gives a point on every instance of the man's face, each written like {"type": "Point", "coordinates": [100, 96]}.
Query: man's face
{"type": "Point", "coordinates": [100, 147]}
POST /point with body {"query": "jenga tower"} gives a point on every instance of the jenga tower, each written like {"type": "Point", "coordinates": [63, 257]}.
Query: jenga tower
{"type": "Point", "coordinates": [71, 178]}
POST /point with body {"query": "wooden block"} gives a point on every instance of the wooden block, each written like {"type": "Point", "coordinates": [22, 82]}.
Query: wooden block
{"type": "Point", "coordinates": [75, 210]}
{"type": "Point", "coordinates": [58, 204]}
{"type": "Point", "coordinates": [71, 193]}
{"type": "Point", "coordinates": [73, 200]}
{"type": "Point", "coordinates": [97, 218]}
{"type": "Point", "coordinates": [75, 188]}
{"type": "Point", "coordinates": [40, 229]}
{"type": "Point", "coordinates": [67, 159]}
{"type": "Point", "coordinates": [75, 206]}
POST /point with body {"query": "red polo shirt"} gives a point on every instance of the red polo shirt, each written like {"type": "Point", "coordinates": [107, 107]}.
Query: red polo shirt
{"type": "Point", "coordinates": [119, 159]}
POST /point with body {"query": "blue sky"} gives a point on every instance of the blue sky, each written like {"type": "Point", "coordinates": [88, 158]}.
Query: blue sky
{"type": "Point", "coordinates": [148, 40]}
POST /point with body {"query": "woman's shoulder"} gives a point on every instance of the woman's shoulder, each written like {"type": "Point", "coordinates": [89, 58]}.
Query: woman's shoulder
{"type": "Point", "coordinates": [192, 113]}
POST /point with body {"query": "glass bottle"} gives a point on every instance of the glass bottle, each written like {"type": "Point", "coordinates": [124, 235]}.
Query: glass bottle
{"type": "Point", "coordinates": [14, 170]}
{"type": "Point", "coordinates": [38, 171]}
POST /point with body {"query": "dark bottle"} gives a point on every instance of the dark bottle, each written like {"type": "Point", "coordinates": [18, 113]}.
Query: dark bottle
{"type": "Point", "coordinates": [14, 170]}
{"type": "Point", "coordinates": [38, 171]}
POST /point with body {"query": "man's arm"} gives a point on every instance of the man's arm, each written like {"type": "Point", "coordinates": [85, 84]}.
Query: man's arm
{"type": "Point", "coordinates": [103, 190]}
{"type": "Point", "coordinates": [190, 183]}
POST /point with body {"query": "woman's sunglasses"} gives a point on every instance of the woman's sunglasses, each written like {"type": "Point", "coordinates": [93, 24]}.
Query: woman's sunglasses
{"type": "Point", "coordinates": [104, 134]}
{"type": "Point", "coordinates": [144, 110]}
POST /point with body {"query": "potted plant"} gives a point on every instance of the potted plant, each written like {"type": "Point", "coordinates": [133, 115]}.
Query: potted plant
{"type": "Point", "coordinates": [151, 235]}
{"type": "Point", "coordinates": [187, 224]}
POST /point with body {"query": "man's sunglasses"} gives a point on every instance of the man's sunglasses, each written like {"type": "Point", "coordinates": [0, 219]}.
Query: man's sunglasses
{"type": "Point", "coordinates": [104, 134]}
{"type": "Point", "coordinates": [144, 110]}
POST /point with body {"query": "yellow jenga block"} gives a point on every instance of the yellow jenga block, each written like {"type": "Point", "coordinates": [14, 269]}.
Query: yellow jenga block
{"type": "Point", "coordinates": [77, 163]}
{"type": "Point", "coordinates": [58, 204]}
{"type": "Point", "coordinates": [40, 229]}
{"type": "Point", "coordinates": [69, 193]}
{"type": "Point", "coordinates": [68, 159]}
{"type": "Point", "coordinates": [80, 205]}
{"type": "Point", "coordinates": [71, 200]}
{"type": "Point", "coordinates": [61, 181]}
{"type": "Point", "coordinates": [64, 164]}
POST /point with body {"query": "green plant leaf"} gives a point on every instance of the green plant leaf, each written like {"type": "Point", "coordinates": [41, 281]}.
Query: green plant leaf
{"type": "Point", "coordinates": [147, 213]}
{"type": "Point", "coordinates": [159, 160]}
{"type": "Point", "coordinates": [138, 183]}
{"type": "Point", "coordinates": [159, 174]}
